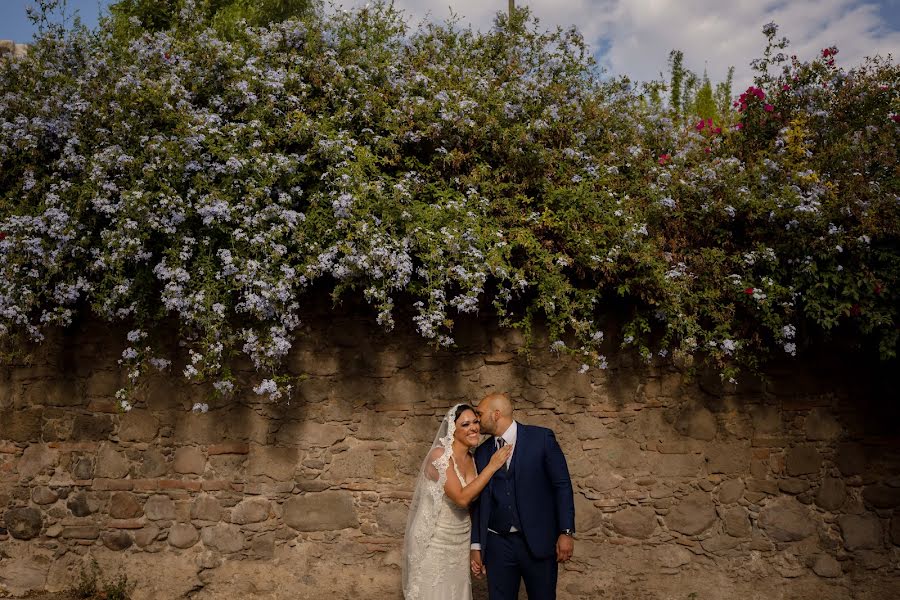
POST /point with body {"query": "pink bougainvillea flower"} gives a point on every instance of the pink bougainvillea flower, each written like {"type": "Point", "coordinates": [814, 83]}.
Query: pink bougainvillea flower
{"type": "Point", "coordinates": [769, 108]}
{"type": "Point", "coordinates": [717, 130]}
{"type": "Point", "coordinates": [785, 87]}
{"type": "Point", "coordinates": [664, 158]}
{"type": "Point", "coordinates": [700, 125]}
{"type": "Point", "coordinates": [895, 118]}
{"type": "Point", "coordinates": [749, 291]}
{"type": "Point", "coordinates": [738, 126]}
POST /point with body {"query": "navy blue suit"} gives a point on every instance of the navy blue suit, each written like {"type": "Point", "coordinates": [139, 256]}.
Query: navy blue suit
{"type": "Point", "coordinates": [535, 497]}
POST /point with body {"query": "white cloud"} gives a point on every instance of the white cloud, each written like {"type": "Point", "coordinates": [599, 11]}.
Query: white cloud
{"type": "Point", "coordinates": [637, 35]}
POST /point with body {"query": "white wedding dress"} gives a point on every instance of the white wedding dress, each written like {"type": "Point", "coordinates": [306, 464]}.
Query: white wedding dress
{"type": "Point", "coordinates": [436, 555]}
{"type": "Point", "coordinates": [445, 566]}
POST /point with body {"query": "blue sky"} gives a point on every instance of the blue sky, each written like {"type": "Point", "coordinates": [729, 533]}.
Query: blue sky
{"type": "Point", "coordinates": [634, 37]}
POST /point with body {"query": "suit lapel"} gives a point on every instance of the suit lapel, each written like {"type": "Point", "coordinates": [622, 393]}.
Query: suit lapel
{"type": "Point", "coordinates": [521, 435]}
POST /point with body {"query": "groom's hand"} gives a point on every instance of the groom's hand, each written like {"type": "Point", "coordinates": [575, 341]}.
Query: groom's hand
{"type": "Point", "coordinates": [478, 568]}
{"type": "Point", "coordinates": [565, 546]}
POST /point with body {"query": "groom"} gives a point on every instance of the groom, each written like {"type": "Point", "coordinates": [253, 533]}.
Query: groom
{"type": "Point", "coordinates": [523, 524]}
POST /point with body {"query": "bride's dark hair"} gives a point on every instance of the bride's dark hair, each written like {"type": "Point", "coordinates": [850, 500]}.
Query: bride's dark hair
{"type": "Point", "coordinates": [460, 410]}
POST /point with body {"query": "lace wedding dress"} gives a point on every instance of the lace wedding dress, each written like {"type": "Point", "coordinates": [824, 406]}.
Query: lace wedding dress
{"type": "Point", "coordinates": [436, 553]}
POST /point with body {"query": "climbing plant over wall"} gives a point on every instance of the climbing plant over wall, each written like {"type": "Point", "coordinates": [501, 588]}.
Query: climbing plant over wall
{"type": "Point", "coordinates": [217, 180]}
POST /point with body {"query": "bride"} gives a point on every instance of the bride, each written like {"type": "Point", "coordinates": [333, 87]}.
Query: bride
{"type": "Point", "coordinates": [436, 547]}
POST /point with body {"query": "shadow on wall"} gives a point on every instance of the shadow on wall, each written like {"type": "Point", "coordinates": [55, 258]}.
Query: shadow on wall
{"type": "Point", "coordinates": [788, 487]}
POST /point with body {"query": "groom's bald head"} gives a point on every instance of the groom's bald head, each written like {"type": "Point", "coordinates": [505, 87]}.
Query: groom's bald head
{"type": "Point", "coordinates": [495, 412]}
{"type": "Point", "coordinates": [498, 401]}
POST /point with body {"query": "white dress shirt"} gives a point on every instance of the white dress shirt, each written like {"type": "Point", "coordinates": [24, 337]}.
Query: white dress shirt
{"type": "Point", "coordinates": [510, 436]}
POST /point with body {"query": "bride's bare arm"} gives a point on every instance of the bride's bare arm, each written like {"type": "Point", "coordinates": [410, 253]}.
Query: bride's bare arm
{"type": "Point", "coordinates": [463, 495]}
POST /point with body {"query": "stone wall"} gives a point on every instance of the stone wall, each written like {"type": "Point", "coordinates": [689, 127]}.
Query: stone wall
{"type": "Point", "coordinates": [788, 489]}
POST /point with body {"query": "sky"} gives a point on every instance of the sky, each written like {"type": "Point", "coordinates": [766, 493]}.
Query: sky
{"type": "Point", "coordinates": [634, 37]}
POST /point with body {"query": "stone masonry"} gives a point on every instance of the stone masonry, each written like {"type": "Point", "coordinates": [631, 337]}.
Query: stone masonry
{"type": "Point", "coordinates": [683, 488]}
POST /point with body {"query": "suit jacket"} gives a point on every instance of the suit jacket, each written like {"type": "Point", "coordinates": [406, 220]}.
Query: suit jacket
{"type": "Point", "coordinates": [543, 490]}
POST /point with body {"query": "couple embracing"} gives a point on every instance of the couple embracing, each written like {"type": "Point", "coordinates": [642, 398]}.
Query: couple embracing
{"type": "Point", "coordinates": [503, 508]}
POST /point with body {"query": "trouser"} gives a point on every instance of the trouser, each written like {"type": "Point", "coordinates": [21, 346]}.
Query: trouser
{"type": "Point", "coordinates": [509, 561]}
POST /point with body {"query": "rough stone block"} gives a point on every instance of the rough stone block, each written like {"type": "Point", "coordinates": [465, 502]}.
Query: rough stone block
{"type": "Point", "coordinates": [103, 384]}
{"type": "Point", "coordinates": [310, 434]}
{"type": "Point", "coordinates": [766, 421]}
{"type": "Point", "coordinates": [356, 463]}
{"type": "Point", "coordinates": [250, 510]}
{"type": "Point", "coordinates": [138, 426]}
{"type": "Point", "coordinates": [882, 496]}
{"type": "Point", "coordinates": [92, 427]}
{"type": "Point", "coordinates": [80, 532]}
{"type": "Point", "coordinates": [793, 486]}
{"type": "Point", "coordinates": [587, 516]}
{"type": "Point", "coordinates": [112, 464]}
{"type": "Point", "coordinates": [36, 459]}
{"type": "Point", "coordinates": [670, 556]}
{"type": "Point", "coordinates": [43, 495]}
{"type": "Point", "coordinates": [675, 465]}
{"type": "Point", "coordinates": [206, 508]}
{"type": "Point", "coordinates": [83, 468]}
{"type": "Point", "coordinates": [322, 511]}
{"type": "Point", "coordinates": [146, 536]}
{"type": "Point", "coordinates": [183, 535]}
{"type": "Point", "coordinates": [831, 494]}
{"type": "Point", "coordinates": [116, 540]}
{"type": "Point", "coordinates": [125, 505]}
{"type": "Point", "coordinates": [159, 507]}
{"type": "Point", "coordinates": [263, 546]}
{"type": "Point", "coordinates": [636, 522]}
{"type": "Point", "coordinates": [730, 459]}
{"type": "Point", "coordinates": [21, 574]}
{"type": "Point", "coordinates": [860, 531]}
{"type": "Point", "coordinates": [827, 566]}
{"type": "Point", "coordinates": [228, 448]}
{"type": "Point", "coordinates": [21, 425]}
{"type": "Point", "coordinates": [731, 491]}
{"type": "Point", "coordinates": [223, 537]}
{"type": "Point", "coordinates": [189, 459]}
{"type": "Point", "coordinates": [23, 523]}
{"type": "Point", "coordinates": [737, 522]}
{"type": "Point", "coordinates": [590, 428]}
{"type": "Point", "coordinates": [895, 530]}
{"type": "Point", "coordinates": [850, 458]}
{"type": "Point", "coordinates": [82, 504]}
{"type": "Point", "coordinates": [391, 518]}
{"type": "Point", "coordinates": [692, 515]}
{"type": "Point", "coordinates": [153, 464]}
{"type": "Point", "coordinates": [719, 543]}
{"type": "Point", "coordinates": [786, 520]}
{"type": "Point", "coordinates": [698, 423]}
{"type": "Point", "coordinates": [279, 463]}
{"type": "Point", "coordinates": [802, 460]}
{"type": "Point", "coordinates": [821, 425]}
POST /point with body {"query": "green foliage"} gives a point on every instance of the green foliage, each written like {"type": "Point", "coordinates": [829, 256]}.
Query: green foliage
{"type": "Point", "coordinates": [676, 82]}
{"type": "Point", "coordinates": [704, 103]}
{"type": "Point", "coordinates": [723, 98]}
{"type": "Point", "coordinates": [216, 182]}
{"type": "Point", "coordinates": [92, 586]}
{"type": "Point", "coordinates": [131, 17]}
